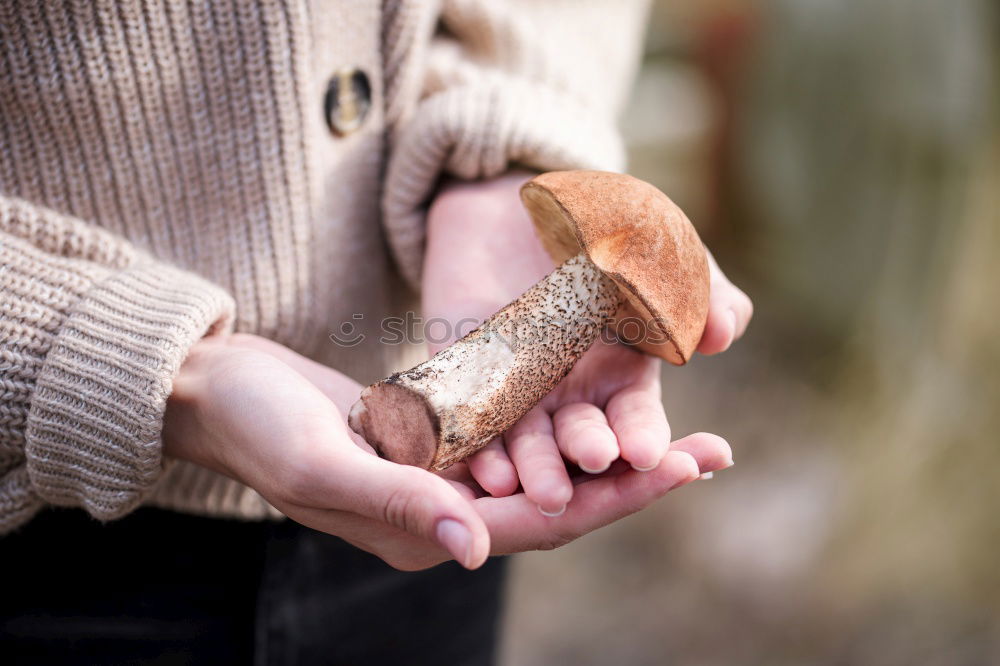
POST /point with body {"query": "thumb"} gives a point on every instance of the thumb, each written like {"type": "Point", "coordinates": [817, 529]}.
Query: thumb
{"type": "Point", "coordinates": [420, 503]}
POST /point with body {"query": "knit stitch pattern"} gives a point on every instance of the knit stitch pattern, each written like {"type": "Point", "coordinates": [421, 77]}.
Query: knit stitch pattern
{"type": "Point", "coordinates": [166, 172]}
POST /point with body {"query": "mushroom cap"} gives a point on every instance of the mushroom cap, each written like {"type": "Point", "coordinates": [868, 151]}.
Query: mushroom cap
{"type": "Point", "coordinates": [641, 240]}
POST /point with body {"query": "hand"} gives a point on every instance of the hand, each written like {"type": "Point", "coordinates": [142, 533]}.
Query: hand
{"type": "Point", "coordinates": [260, 413]}
{"type": "Point", "coordinates": [482, 252]}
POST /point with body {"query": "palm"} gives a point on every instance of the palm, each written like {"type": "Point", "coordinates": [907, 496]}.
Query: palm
{"type": "Point", "coordinates": [513, 522]}
{"type": "Point", "coordinates": [293, 417]}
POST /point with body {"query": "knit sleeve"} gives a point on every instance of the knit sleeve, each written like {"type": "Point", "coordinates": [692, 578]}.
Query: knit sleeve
{"type": "Point", "coordinates": [536, 83]}
{"type": "Point", "coordinates": [92, 331]}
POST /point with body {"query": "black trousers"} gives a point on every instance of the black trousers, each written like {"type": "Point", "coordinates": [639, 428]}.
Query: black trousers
{"type": "Point", "coordinates": [165, 588]}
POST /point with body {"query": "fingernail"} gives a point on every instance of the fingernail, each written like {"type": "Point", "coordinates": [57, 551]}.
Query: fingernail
{"type": "Point", "coordinates": [556, 514]}
{"type": "Point", "coordinates": [593, 471]}
{"type": "Point", "coordinates": [707, 476]}
{"type": "Point", "coordinates": [646, 469]}
{"type": "Point", "coordinates": [456, 538]}
{"type": "Point", "coordinates": [732, 326]}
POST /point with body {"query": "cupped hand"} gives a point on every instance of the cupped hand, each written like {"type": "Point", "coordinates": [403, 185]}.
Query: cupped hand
{"type": "Point", "coordinates": [482, 252]}
{"type": "Point", "coordinates": [260, 413]}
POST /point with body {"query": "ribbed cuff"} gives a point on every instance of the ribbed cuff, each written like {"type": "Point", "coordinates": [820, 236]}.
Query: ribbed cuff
{"type": "Point", "coordinates": [18, 502]}
{"type": "Point", "coordinates": [93, 430]}
{"type": "Point", "coordinates": [478, 132]}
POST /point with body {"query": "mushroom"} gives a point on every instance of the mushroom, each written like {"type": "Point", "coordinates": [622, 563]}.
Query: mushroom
{"type": "Point", "coordinates": [629, 259]}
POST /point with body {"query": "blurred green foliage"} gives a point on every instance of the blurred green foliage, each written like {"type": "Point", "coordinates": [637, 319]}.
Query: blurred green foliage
{"type": "Point", "coordinates": [842, 158]}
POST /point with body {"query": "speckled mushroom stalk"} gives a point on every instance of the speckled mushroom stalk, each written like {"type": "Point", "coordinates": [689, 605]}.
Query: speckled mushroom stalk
{"type": "Point", "coordinates": [627, 254]}
{"type": "Point", "coordinates": [445, 409]}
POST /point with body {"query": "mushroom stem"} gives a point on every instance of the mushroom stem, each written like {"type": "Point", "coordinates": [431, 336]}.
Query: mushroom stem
{"type": "Point", "coordinates": [447, 408]}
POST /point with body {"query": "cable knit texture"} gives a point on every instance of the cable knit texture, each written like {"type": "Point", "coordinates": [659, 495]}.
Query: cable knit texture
{"type": "Point", "coordinates": [166, 172]}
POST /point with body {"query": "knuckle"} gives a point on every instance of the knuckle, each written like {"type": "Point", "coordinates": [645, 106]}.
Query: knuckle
{"type": "Point", "coordinates": [406, 505]}
{"type": "Point", "coordinates": [490, 455]}
{"type": "Point", "coordinates": [642, 411]}
{"type": "Point", "coordinates": [537, 449]}
{"type": "Point", "coordinates": [528, 442]}
{"type": "Point", "coordinates": [541, 462]}
{"type": "Point", "coordinates": [397, 507]}
{"type": "Point", "coordinates": [575, 413]}
{"type": "Point", "coordinates": [584, 428]}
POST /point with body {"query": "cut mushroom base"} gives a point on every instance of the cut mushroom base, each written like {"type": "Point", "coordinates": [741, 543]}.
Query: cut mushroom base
{"type": "Point", "coordinates": [446, 409]}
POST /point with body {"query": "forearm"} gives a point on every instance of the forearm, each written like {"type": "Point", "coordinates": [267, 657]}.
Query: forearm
{"type": "Point", "coordinates": [183, 425]}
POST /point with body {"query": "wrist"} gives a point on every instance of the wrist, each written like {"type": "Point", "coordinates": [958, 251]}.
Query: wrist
{"type": "Point", "coordinates": [183, 435]}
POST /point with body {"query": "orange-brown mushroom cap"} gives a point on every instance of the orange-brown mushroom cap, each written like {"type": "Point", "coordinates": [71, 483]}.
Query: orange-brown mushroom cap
{"type": "Point", "coordinates": [638, 237]}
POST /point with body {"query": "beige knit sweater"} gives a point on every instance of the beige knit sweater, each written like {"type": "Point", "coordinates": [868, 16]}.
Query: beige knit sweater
{"type": "Point", "coordinates": [167, 171]}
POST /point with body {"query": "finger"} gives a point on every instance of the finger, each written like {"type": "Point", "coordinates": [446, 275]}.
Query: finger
{"type": "Point", "coordinates": [720, 328]}
{"type": "Point", "coordinates": [533, 450]}
{"type": "Point", "coordinates": [636, 416]}
{"type": "Point", "coordinates": [711, 452]}
{"type": "Point", "coordinates": [413, 500]}
{"type": "Point", "coordinates": [460, 478]}
{"type": "Point", "coordinates": [516, 527]}
{"type": "Point", "coordinates": [743, 308]}
{"type": "Point", "coordinates": [729, 312]}
{"type": "Point", "coordinates": [583, 436]}
{"type": "Point", "coordinates": [492, 469]}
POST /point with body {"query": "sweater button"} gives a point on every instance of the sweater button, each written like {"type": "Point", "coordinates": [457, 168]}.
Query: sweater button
{"type": "Point", "coordinates": [348, 99]}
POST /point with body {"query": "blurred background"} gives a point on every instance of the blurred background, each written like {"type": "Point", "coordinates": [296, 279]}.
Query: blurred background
{"type": "Point", "coordinates": [842, 159]}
